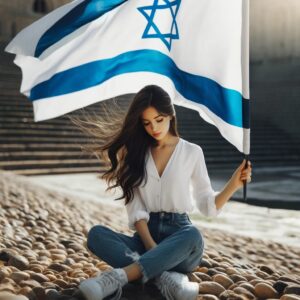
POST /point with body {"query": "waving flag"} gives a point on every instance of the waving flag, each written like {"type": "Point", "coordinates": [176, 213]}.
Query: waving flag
{"type": "Point", "coordinates": [88, 51]}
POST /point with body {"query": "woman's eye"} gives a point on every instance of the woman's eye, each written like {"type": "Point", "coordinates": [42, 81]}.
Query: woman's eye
{"type": "Point", "coordinates": [158, 121]}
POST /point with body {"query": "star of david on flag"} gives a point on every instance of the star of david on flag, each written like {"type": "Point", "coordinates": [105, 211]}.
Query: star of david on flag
{"type": "Point", "coordinates": [156, 15]}
{"type": "Point", "coordinates": [87, 51]}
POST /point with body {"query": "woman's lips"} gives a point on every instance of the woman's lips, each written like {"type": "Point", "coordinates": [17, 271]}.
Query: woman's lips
{"type": "Point", "coordinates": [157, 134]}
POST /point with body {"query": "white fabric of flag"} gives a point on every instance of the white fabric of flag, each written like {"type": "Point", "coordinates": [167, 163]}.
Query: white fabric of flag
{"type": "Point", "coordinates": [90, 50]}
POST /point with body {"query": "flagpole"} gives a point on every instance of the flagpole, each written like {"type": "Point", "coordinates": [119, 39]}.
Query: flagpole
{"type": "Point", "coordinates": [246, 81]}
{"type": "Point", "coordinates": [245, 181]}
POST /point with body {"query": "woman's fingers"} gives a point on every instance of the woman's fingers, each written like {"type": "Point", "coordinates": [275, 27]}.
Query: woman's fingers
{"type": "Point", "coordinates": [246, 172]}
{"type": "Point", "coordinates": [242, 165]}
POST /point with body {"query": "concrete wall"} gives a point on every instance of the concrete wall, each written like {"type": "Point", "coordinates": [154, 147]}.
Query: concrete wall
{"type": "Point", "coordinates": [275, 63]}
{"type": "Point", "coordinates": [274, 29]}
{"type": "Point", "coordinates": [17, 14]}
{"type": "Point", "coordinates": [275, 95]}
{"type": "Point", "coordinates": [274, 25]}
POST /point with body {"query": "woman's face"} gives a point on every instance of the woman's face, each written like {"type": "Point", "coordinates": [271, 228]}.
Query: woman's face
{"type": "Point", "coordinates": [155, 124]}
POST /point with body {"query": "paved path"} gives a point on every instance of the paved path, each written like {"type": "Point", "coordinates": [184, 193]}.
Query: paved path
{"type": "Point", "coordinates": [268, 186]}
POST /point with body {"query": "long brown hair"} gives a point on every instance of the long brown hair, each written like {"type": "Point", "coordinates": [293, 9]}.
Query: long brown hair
{"type": "Point", "coordinates": [122, 141]}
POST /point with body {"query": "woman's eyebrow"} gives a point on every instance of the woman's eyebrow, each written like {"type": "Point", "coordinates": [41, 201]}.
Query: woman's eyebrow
{"type": "Point", "coordinates": [154, 117]}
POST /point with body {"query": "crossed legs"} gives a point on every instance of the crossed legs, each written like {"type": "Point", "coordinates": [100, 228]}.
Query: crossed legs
{"type": "Point", "coordinates": [180, 251]}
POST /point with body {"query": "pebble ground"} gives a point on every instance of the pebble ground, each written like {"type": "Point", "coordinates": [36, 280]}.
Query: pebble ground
{"type": "Point", "coordinates": [43, 254]}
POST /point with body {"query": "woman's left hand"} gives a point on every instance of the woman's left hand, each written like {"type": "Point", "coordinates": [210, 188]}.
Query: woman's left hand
{"type": "Point", "coordinates": [241, 174]}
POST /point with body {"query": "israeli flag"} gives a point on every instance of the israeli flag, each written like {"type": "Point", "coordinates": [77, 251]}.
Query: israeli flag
{"type": "Point", "coordinates": [90, 50]}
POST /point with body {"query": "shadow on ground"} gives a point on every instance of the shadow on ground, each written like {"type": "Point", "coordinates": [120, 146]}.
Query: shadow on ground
{"type": "Point", "coordinates": [131, 291]}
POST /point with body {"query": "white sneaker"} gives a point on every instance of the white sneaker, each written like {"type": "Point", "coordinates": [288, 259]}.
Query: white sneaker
{"type": "Point", "coordinates": [104, 284]}
{"type": "Point", "coordinates": [176, 286]}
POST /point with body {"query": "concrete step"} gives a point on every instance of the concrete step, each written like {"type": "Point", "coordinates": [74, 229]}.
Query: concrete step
{"type": "Point", "coordinates": [95, 165]}
{"type": "Point", "coordinates": [29, 120]}
{"type": "Point", "coordinates": [8, 78]}
{"type": "Point", "coordinates": [73, 131]}
{"type": "Point", "coordinates": [9, 103]}
{"type": "Point", "coordinates": [12, 100]}
{"type": "Point", "coordinates": [25, 110]}
{"type": "Point", "coordinates": [66, 139]}
{"type": "Point", "coordinates": [8, 93]}
{"type": "Point", "coordinates": [40, 147]}
{"type": "Point", "coordinates": [21, 155]}
{"type": "Point", "coordinates": [219, 156]}
{"type": "Point", "coordinates": [63, 128]}
{"type": "Point", "coordinates": [55, 146]}
{"type": "Point", "coordinates": [35, 139]}
{"type": "Point", "coordinates": [59, 170]}
{"type": "Point", "coordinates": [7, 70]}
{"type": "Point", "coordinates": [99, 170]}
{"type": "Point", "coordinates": [36, 154]}
{"type": "Point", "coordinates": [41, 132]}
{"type": "Point", "coordinates": [254, 139]}
{"type": "Point", "coordinates": [15, 122]}
{"type": "Point", "coordinates": [36, 126]}
{"type": "Point", "coordinates": [9, 83]}
{"type": "Point", "coordinates": [14, 146]}
{"type": "Point", "coordinates": [16, 164]}
{"type": "Point", "coordinates": [17, 108]}
{"type": "Point", "coordinates": [7, 154]}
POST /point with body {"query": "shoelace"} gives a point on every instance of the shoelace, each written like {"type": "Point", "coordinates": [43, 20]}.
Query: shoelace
{"type": "Point", "coordinates": [167, 286]}
{"type": "Point", "coordinates": [107, 279]}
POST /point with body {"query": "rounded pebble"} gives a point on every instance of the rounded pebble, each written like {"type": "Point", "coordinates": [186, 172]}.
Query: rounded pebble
{"type": "Point", "coordinates": [10, 296]}
{"type": "Point", "coordinates": [223, 280]}
{"type": "Point", "coordinates": [263, 290]}
{"type": "Point", "coordinates": [213, 288]}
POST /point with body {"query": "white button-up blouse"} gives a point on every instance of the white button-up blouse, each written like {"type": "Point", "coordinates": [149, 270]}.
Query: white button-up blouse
{"type": "Point", "coordinates": [171, 192]}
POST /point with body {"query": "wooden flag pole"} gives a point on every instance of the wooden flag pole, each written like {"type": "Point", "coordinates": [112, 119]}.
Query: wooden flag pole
{"type": "Point", "coordinates": [245, 181]}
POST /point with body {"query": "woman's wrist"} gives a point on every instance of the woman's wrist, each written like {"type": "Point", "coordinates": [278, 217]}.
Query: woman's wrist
{"type": "Point", "coordinates": [150, 245]}
{"type": "Point", "coordinates": [233, 186]}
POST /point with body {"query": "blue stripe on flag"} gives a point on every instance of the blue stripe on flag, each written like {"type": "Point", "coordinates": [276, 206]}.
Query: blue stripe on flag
{"type": "Point", "coordinates": [228, 104]}
{"type": "Point", "coordinates": [80, 15]}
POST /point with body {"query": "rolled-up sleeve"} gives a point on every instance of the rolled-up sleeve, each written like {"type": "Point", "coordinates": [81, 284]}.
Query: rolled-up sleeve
{"type": "Point", "coordinates": [136, 210]}
{"type": "Point", "coordinates": [203, 193]}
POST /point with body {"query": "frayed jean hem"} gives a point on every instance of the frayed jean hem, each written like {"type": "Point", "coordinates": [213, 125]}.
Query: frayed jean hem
{"type": "Point", "coordinates": [135, 257]}
{"type": "Point", "coordinates": [145, 277]}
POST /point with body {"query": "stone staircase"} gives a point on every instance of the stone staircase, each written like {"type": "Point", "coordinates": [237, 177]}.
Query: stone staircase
{"type": "Point", "coordinates": [54, 146]}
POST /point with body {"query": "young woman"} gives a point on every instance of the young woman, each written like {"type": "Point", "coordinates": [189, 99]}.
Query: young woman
{"type": "Point", "coordinates": [154, 168]}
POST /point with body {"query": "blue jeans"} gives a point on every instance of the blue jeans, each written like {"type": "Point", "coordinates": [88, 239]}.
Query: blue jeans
{"type": "Point", "coordinates": [179, 247]}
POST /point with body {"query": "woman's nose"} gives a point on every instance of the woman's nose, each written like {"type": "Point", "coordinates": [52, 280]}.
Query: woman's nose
{"type": "Point", "coordinates": [153, 126]}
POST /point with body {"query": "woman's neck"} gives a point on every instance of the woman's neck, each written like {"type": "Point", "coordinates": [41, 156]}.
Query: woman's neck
{"type": "Point", "coordinates": [168, 140]}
